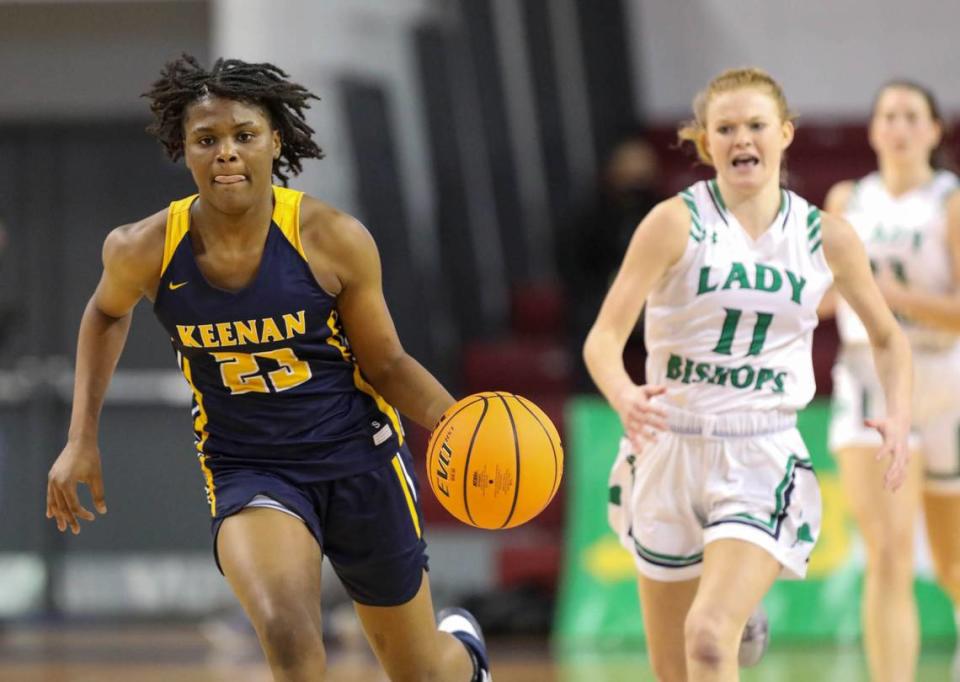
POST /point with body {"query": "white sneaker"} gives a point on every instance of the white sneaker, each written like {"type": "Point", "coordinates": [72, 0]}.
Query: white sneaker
{"type": "Point", "coordinates": [755, 638]}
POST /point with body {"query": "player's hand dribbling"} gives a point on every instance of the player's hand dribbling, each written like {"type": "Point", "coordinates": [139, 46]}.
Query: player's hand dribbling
{"type": "Point", "coordinates": [895, 433]}
{"type": "Point", "coordinates": [641, 419]}
{"type": "Point", "coordinates": [79, 462]}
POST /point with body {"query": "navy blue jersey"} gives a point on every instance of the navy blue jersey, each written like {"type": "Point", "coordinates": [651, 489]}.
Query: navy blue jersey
{"type": "Point", "coordinates": [274, 381]}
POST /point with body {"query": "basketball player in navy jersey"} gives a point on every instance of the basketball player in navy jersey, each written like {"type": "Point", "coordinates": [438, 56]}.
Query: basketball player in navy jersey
{"type": "Point", "coordinates": [273, 303]}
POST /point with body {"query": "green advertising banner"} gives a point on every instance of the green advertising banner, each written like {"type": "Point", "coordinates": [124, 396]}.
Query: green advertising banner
{"type": "Point", "coordinates": [598, 602]}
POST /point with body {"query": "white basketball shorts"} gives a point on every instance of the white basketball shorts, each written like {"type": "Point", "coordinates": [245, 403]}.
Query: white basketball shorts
{"type": "Point", "coordinates": [744, 476]}
{"type": "Point", "coordinates": [858, 395]}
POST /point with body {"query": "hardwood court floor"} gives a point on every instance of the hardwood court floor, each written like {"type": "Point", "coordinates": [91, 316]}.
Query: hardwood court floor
{"type": "Point", "coordinates": [184, 653]}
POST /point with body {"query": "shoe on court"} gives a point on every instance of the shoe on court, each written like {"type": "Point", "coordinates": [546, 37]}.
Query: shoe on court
{"type": "Point", "coordinates": [755, 638]}
{"type": "Point", "coordinates": [461, 624]}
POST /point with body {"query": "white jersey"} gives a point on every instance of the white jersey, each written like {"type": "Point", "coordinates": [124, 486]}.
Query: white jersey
{"type": "Point", "coordinates": [906, 236]}
{"type": "Point", "coordinates": [729, 328]}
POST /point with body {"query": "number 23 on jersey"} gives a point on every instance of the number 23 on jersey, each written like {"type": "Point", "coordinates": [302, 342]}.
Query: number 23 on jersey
{"type": "Point", "coordinates": [243, 373]}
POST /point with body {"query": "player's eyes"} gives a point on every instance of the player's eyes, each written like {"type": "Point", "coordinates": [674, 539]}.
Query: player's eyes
{"type": "Point", "coordinates": [757, 125]}
{"type": "Point", "coordinates": [724, 130]}
{"type": "Point", "coordinates": [205, 141]}
{"type": "Point", "coordinates": [245, 137]}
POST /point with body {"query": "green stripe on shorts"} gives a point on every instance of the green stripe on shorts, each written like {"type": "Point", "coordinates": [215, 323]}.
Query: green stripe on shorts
{"type": "Point", "coordinates": [780, 495]}
{"type": "Point", "coordinates": [674, 560]}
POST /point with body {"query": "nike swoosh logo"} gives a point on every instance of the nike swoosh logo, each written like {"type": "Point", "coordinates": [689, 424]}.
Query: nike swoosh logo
{"type": "Point", "coordinates": [174, 287]}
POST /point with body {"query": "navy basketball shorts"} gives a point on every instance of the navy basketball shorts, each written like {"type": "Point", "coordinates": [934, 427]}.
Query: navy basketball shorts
{"type": "Point", "coordinates": [369, 525]}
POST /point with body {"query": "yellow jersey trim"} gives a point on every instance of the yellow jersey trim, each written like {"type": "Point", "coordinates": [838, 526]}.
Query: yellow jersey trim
{"type": "Point", "coordinates": [286, 214]}
{"type": "Point", "coordinates": [200, 427]}
{"type": "Point", "coordinates": [406, 493]}
{"type": "Point", "coordinates": [336, 333]}
{"type": "Point", "coordinates": [178, 223]}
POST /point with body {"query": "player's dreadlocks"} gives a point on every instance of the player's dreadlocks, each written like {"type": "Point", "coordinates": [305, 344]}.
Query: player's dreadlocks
{"type": "Point", "coordinates": [184, 81]}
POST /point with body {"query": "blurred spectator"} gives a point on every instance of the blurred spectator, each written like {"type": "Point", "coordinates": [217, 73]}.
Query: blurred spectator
{"type": "Point", "coordinates": [627, 188]}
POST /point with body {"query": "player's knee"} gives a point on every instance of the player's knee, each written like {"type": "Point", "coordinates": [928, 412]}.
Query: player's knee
{"type": "Point", "coordinates": [710, 638]}
{"type": "Point", "coordinates": [890, 558]}
{"type": "Point", "coordinates": [290, 639]}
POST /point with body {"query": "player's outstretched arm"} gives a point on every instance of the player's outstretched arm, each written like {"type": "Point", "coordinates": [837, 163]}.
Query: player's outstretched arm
{"type": "Point", "coordinates": [131, 266]}
{"type": "Point", "coordinates": [352, 254]}
{"type": "Point", "coordinates": [891, 350]}
{"type": "Point", "coordinates": [658, 243]}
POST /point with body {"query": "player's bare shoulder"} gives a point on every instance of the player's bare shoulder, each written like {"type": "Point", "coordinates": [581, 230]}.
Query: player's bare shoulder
{"type": "Point", "coordinates": [668, 227]}
{"type": "Point", "coordinates": [672, 214]}
{"type": "Point", "coordinates": [841, 244]}
{"type": "Point", "coordinates": [133, 253]}
{"type": "Point", "coordinates": [839, 197]}
{"type": "Point", "coordinates": [336, 243]}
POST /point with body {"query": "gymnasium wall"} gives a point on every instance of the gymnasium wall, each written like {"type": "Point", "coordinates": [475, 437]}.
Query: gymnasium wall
{"type": "Point", "coordinates": [830, 57]}
{"type": "Point", "coordinates": [89, 60]}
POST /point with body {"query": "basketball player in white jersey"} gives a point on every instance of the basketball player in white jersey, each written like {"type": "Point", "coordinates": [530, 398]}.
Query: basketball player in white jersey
{"type": "Point", "coordinates": [713, 491]}
{"type": "Point", "coordinates": [908, 215]}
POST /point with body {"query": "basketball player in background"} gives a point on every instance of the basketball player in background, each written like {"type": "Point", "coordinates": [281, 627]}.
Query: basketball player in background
{"type": "Point", "coordinates": [273, 302]}
{"type": "Point", "coordinates": [908, 215]}
{"type": "Point", "coordinates": [713, 492]}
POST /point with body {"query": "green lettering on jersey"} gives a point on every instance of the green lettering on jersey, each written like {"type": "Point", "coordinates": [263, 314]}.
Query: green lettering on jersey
{"type": "Point", "coordinates": [704, 286]}
{"type": "Point", "coordinates": [776, 279]}
{"type": "Point", "coordinates": [763, 376]}
{"type": "Point", "coordinates": [796, 286]}
{"type": "Point", "coordinates": [742, 377]}
{"type": "Point", "coordinates": [778, 381]}
{"type": "Point", "coordinates": [738, 274]}
{"type": "Point", "coordinates": [720, 375]}
{"type": "Point", "coordinates": [673, 366]}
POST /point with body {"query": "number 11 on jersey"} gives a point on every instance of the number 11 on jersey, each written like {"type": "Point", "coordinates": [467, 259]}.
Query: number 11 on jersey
{"type": "Point", "coordinates": [730, 323]}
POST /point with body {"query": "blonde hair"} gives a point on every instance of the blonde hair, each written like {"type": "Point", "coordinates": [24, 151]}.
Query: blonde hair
{"type": "Point", "coordinates": [732, 79]}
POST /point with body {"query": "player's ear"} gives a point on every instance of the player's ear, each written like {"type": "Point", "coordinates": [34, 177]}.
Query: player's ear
{"type": "Point", "coordinates": [788, 131]}
{"type": "Point", "coordinates": [277, 144]}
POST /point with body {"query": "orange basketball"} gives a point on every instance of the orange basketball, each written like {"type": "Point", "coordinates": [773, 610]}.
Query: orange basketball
{"type": "Point", "coordinates": [495, 460]}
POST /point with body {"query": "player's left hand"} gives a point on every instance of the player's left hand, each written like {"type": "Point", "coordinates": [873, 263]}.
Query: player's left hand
{"type": "Point", "coordinates": [895, 432]}
{"type": "Point", "coordinates": [642, 419]}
